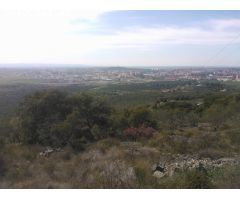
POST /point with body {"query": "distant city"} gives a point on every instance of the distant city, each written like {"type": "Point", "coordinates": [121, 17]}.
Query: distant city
{"type": "Point", "coordinates": [86, 75]}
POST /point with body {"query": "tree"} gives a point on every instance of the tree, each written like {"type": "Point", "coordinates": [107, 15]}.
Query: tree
{"type": "Point", "coordinates": [38, 112]}
{"type": "Point", "coordinates": [55, 119]}
{"type": "Point", "coordinates": [141, 116]}
{"type": "Point", "coordinates": [93, 113]}
{"type": "Point", "coordinates": [216, 115]}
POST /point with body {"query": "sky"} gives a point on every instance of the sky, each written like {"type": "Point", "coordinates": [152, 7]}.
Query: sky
{"type": "Point", "coordinates": [120, 38]}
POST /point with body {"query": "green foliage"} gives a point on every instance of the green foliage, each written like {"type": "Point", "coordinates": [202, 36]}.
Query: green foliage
{"type": "Point", "coordinates": [139, 116]}
{"type": "Point", "coordinates": [227, 177]}
{"type": "Point", "coordinates": [2, 165]}
{"type": "Point", "coordinates": [93, 113]}
{"type": "Point", "coordinates": [198, 178]}
{"type": "Point", "coordinates": [55, 119]}
{"type": "Point", "coordinates": [178, 110]}
{"type": "Point", "coordinates": [144, 175]}
{"type": "Point", "coordinates": [38, 112]}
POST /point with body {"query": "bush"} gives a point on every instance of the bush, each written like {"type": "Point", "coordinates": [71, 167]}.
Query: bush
{"type": "Point", "coordinates": [50, 168]}
{"type": "Point", "coordinates": [141, 116]}
{"type": "Point", "coordinates": [198, 179]}
{"type": "Point", "coordinates": [2, 166]}
{"type": "Point", "coordinates": [227, 177]}
{"type": "Point", "coordinates": [106, 144]}
{"type": "Point", "coordinates": [51, 118]}
{"type": "Point", "coordinates": [66, 156]}
{"type": "Point", "coordinates": [142, 172]}
{"type": "Point", "coordinates": [140, 132]}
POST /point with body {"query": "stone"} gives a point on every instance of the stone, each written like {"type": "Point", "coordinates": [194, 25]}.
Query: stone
{"type": "Point", "coordinates": [186, 162]}
{"type": "Point", "coordinates": [158, 174]}
{"type": "Point", "coordinates": [48, 151]}
{"type": "Point", "coordinates": [158, 167]}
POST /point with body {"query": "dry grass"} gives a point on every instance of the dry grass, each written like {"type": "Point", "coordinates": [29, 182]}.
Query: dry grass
{"type": "Point", "coordinates": [108, 163]}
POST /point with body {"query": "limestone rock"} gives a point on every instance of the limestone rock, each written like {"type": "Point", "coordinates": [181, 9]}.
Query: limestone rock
{"type": "Point", "coordinates": [159, 174]}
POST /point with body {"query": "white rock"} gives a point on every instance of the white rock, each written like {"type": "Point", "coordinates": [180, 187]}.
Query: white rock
{"type": "Point", "coordinates": [158, 174]}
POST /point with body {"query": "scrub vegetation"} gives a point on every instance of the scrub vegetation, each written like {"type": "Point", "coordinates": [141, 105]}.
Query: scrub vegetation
{"type": "Point", "coordinates": [121, 135]}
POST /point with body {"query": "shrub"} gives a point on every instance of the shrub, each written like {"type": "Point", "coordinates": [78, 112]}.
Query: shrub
{"type": "Point", "coordinates": [105, 144]}
{"type": "Point", "coordinates": [135, 133]}
{"type": "Point", "coordinates": [50, 168]}
{"type": "Point", "coordinates": [51, 118]}
{"type": "Point", "coordinates": [66, 156]}
{"type": "Point", "coordinates": [2, 166]}
{"type": "Point", "coordinates": [227, 177]}
{"type": "Point", "coordinates": [141, 115]}
{"type": "Point", "coordinates": [198, 178]}
{"type": "Point", "coordinates": [116, 174]}
{"type": "Point", "coordinates": [142, 172]}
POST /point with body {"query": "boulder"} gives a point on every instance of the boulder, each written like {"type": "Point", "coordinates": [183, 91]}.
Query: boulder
{"type": "Point", "coordinates": [159, 174]}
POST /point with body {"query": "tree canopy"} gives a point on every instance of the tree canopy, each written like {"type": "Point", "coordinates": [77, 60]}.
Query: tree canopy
{"type": "Point", "coordinates": [53, 118]}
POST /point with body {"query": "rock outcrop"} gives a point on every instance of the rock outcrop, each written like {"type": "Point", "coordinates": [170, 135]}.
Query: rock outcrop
{"type": "Point", "coordinates": [187, 163]}
{"type": "Point", "coordinates": [48, 151]}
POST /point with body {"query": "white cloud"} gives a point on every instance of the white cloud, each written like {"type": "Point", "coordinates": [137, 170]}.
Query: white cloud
{"type": "Point", "coordinates": [50, 36]}
{"type": "Point", "coordinates": [41, 35]}
{"type": "Point", "coordinates": [136, 37]}
{"type": "Point", "coordinates": [121, 5]}
{"type": "Point", "coordinates": [220, 24]}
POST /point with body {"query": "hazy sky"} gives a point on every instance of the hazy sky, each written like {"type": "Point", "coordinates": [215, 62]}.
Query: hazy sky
{"type": "Point", "coordinates": [136, 38]}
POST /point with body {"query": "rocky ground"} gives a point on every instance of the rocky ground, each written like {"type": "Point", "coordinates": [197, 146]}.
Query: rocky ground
{"type": "Point", "coordinates": [186, 162]}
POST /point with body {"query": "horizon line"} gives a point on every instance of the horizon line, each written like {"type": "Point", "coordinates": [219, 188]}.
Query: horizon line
{"type": "Point", "coordinates": [22, 65]}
